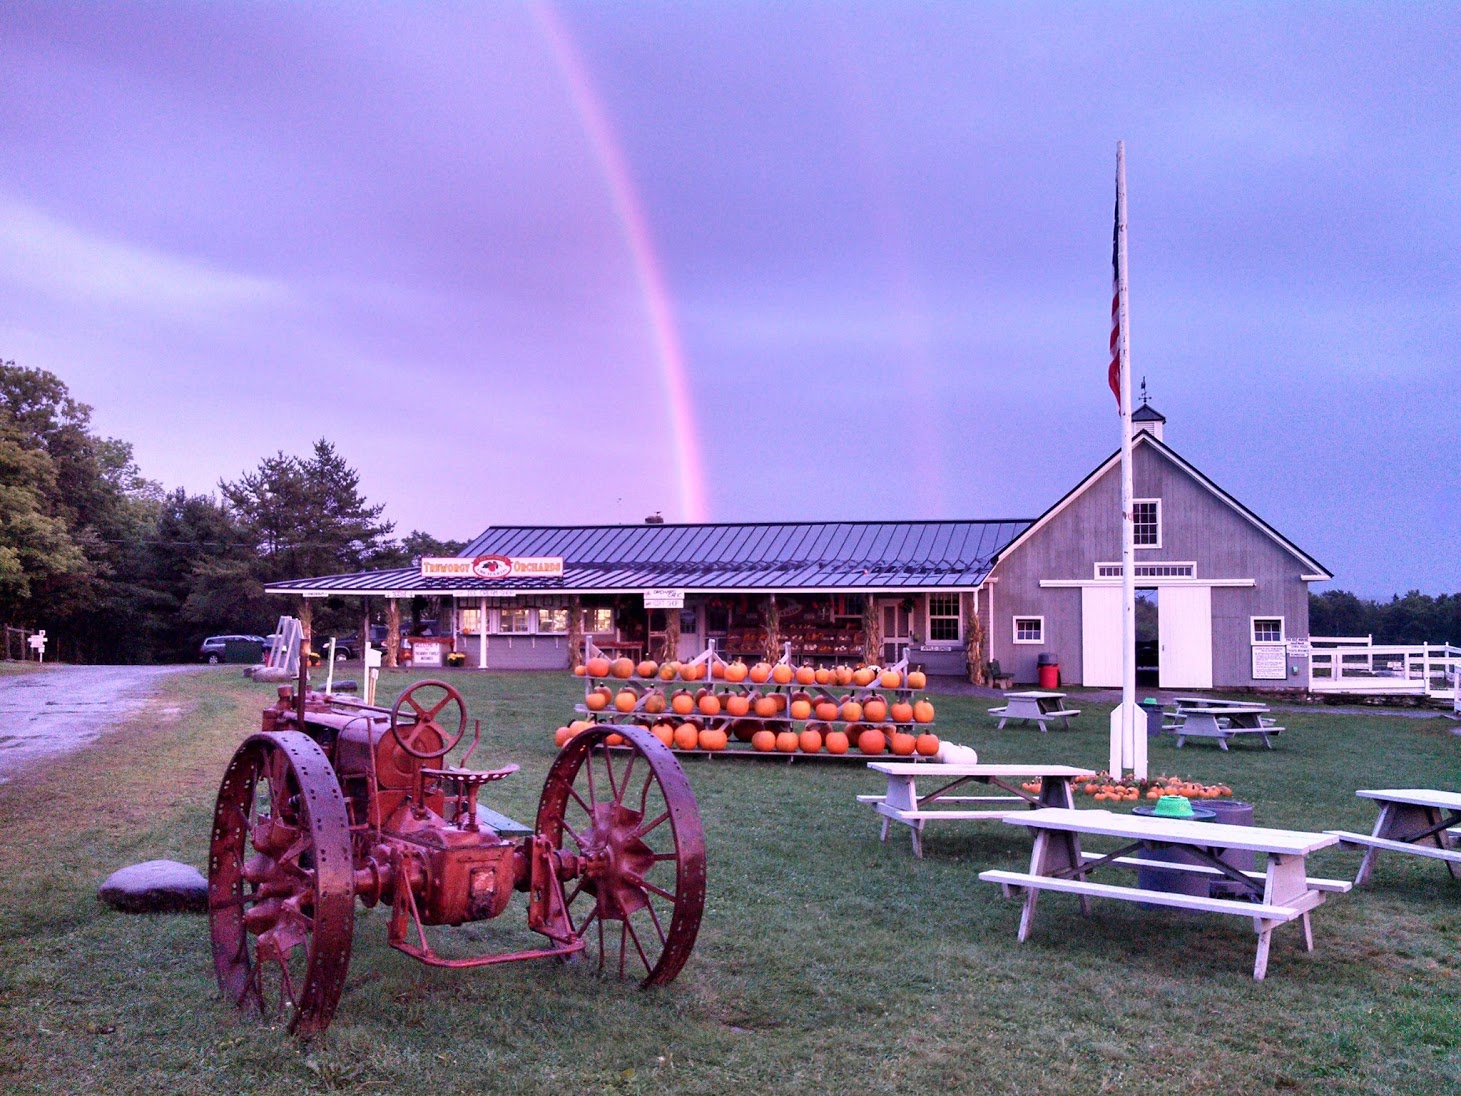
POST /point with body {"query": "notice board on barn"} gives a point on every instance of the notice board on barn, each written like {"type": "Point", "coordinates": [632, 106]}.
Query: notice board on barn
{"type": "Point", "coordinates": [1270, 662]}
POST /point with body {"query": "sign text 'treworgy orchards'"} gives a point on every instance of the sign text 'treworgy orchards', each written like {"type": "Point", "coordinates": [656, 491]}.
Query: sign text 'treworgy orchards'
{"type": "Point", "coordinates": [491, 566]}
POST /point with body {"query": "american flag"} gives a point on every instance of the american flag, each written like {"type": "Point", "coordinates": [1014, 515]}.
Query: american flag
{"type": "Point", "coordinates": [1113, 374]}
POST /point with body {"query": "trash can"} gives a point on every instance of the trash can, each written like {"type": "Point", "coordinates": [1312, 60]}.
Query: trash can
{"type": "Point", "coordinates": [1232, 813]}
{"type": "Point", "coordinates": [1049, 669]}
{"type": "Point", "coordinates": [1152, 708]}
{"type": "Point", "coordinates": [1173, 880]}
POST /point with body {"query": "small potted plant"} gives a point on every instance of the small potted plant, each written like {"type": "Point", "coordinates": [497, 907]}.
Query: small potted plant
{"type": "Point", "coordinates": [456, 658]}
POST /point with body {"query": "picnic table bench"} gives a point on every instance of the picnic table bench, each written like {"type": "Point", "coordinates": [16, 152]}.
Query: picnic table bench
{"type": "Point", "coordinates": [902, 803]}
{"type": "Point", "coordinates": [1281, 894]}
{"type": "Point", "coordinates": [1036, 706]}
{"type": "Point", "coordinates": [1410, 821]}
{"type": "Point", "coordinates": [1222, 721]}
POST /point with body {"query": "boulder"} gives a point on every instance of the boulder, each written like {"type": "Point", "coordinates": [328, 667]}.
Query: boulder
{"type": "Point", "coordinates": [156, 886]}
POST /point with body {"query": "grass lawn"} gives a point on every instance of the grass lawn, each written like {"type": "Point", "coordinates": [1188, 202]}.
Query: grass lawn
{"type": "Point", "coordinates": [826, 961]}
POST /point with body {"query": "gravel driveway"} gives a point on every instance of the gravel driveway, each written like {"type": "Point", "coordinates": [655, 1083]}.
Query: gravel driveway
{"type": "Point", "coordinates": [64, 708]}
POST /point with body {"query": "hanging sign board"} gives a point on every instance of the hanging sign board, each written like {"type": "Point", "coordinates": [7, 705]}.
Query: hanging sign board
{"type": "Point", "coordinates": [664, 599]}
{"type": "Point", "coordinates": [1270, 662]}
{"type": "Point", "coordinates": [491, 566]}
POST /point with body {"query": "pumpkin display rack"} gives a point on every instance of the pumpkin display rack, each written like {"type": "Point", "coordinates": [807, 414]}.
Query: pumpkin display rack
{"type": "Point", "coordinates": [713, 707]}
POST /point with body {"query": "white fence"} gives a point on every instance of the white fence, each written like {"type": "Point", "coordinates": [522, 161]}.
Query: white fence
{"type": "Point", "coordinates": [1353, 664]}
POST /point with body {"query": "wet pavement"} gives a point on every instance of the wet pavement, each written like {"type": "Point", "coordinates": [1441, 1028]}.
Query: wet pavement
{"type": "Point", "coordinates": [63, 708]}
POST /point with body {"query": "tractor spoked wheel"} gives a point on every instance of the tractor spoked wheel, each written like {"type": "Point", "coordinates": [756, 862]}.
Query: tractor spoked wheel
{"type": "Point", "coordinates": [281, 899]}
{"type": "Point", "coordinates": [631, 818]}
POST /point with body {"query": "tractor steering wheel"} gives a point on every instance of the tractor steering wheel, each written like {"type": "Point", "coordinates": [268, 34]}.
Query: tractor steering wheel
{"type": "Point", "coordinates": [408, 735]}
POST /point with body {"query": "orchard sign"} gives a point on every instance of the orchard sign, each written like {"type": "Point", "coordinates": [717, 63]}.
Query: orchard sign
{"type": "Point", "coordinates": [491, 566]}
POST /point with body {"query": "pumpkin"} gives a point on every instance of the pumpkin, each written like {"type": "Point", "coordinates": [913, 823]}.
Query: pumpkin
{"type": "Point", "coordinates": [614, 740]}
{"type": "Point", "coordinates": [579, 725]}
{"type": "Point", "coordinates": [717, 670]}
{"type": "Point", "coordinates": [682, 703]}
{"type": "Point", "coordinates": [801, 709]}
{"type": "Point", "coordinates": [917, 679]}
{"type": "Point", "coordinates": [810, 741]}
{"type": "Point", "coordinates": [923, 712]}
{"type": "Point", "coordinates": [763, 741]}
{"type": "Point", "coordinates": [709, 704]}
{"type": "Point", "coordinates": [736, 671]}
{"type": "Point", "coordinates": [766, 706]}
{"type": "Point", "coordinates": [738, 704]}
{"type": "Point", "coordinates": [852, 712]}
{"type": "Point", "coordinates": [806, 675]}
{"type": "Point", "coordinates": [622, 667]}
{"type": "Point", "coordinates": [826, 709]}
{"type": "Point", "coordinates": [872, 741]}
{"type": "Point", "coordinates": [596, 701]}
{"type": "Point", "coordinates": [687, 736]}
{"type": "Point", "coordinates": [668, 671]}
{"type": "Point", "coordinates": [875, 708]}
{"type": "Point", "coordinates": [654, 703]}
{"type": "Point", "coordinates": [863, 676]}
{"type": "Point", "coordinates": [782, 674]}
{"type": "Point", "coordinates": [901, 711]}
{"type": "Point", "coordinates": [779, 699]}
{"type": "Point", "coordinates": [665, 732]}
{"type": "Point", "coordinates": [647, 668]}
{"type": "Point", "coordinates": [598, 666]}
{"type": "Point", "coordinates": [824, 676]}
{"type": "Point", "coordinates": [561, 736]}
{"type": "Point", "coordinates": [890, 679]}
{"type": "Point", "coordinates": [926, 744]}
{"type": "Point", "coordinates": [787, 741]}
{"type": "Point", "coordinates": [743, 729]}
{"type": "Point", "coordinates": [843, 675]}
{"type": "Point", "coordinates": [580, 670]}
{"type": "Point", "coordinates": [693, 671]}
{"type": "Point", "coordinates": [626, 699]}
{"type": "Point", "coordinates": [713, 738]}
{"type": "Point", "coordinates": [760, 672]}
{"type": "Point", "coordinates": [836, 742]}
{"type": "Point", "coordinates": [904, 744]}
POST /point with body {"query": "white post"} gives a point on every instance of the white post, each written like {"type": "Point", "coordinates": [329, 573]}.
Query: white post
{"type": "Point", "coordinates": [482, 633]}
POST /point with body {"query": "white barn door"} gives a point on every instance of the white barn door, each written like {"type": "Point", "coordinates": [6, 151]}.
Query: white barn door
{"type": "Point", "coordinates": [1101, 636]}
{"type": "Point", "coordinates": [1184, 630]}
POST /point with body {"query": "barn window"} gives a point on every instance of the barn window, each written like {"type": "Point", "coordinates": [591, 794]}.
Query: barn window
{"type": "Point", "coordinates": [1029, 629]}
{"type": "Point", "coordinates": [1146, 523]}
{"type": "Point", "coordinates": [943, 618]}
{"type": "Point", "coordinates": [1268, 629]}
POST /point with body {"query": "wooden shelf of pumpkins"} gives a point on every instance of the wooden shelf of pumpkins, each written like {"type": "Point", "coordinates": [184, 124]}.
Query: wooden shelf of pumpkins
{"type": "Point", "coordinates": [730, 709]}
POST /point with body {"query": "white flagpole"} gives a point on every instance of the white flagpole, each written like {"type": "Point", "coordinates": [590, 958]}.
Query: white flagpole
{"type": "Point", "coordinates": [1133, 729]}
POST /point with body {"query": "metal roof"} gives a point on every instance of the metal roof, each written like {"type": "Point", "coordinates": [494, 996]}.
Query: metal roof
{"type": "Point", "coordinates": [751, 557]}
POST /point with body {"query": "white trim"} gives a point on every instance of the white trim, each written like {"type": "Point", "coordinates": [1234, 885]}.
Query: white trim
{"type": "Point", "coordinates": [1115, 567]}
{"type": "Point", "coordinates": [1015, 630]}
{"type": "Point", "coordinates": [1134, 504]}
{"type": "Point", "coordinates": [1253, 631]}
{"type": "Point", "coordinates": [1066, 583]}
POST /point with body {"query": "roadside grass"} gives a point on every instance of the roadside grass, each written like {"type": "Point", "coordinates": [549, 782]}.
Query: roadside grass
{"type": "Point", "coordinates": [826, 962]}
{"type": "Point", "coordinates": [13, 669]}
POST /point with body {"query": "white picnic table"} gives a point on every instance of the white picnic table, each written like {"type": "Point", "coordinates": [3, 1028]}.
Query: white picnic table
{"type": "Point", "coordinates": [1280, 894]}
{"type": "Point", "coordinates": [902, 802]}
{"type": "Point", "coordinates": [1412, 820]}
{"type": "Point", "coordinates": [1222, 721]}
{"type": "Point", "coordinates": [1034, 705]}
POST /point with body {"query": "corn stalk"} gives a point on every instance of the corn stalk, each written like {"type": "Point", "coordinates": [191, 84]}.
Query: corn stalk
{"type": "Point", "coordinates": [974, 647]}
{"type": "Point", "coordinates": [575, 633]}
{"type": "Point", "coordinates": [393, 632]}
{"type": "Point", "coordinates": [872, 628]}
{"type": "Point", "coordinates": [772, 648]}
{"type": "Point", "coordinates": [671, 650]}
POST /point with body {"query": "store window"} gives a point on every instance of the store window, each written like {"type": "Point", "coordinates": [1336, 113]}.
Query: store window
{"type": "Point", "coordinates": [598, 620]}
{"type": "Point", "coordinates": [1268, 629]}
{"type": "Point", "coordinates": [1029, 629]}
{"type": "Point", "coordinates": [1146, 523]}
{"type": "Point", "coordinates": [552, 620]}
{"type": "Point", "coordinates": [944, 625]}
{"type": "Point", "coordinates": [469, 621]}
{"type": "Point", "coordinates": [513, 621]}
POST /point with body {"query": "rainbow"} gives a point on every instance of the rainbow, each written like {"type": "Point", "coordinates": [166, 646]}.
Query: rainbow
{"type": "Point", "coordinates": [627, 207]}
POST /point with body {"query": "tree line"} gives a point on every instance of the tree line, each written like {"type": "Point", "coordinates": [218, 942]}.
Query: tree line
{"type": "Point", "coordinates": [1414, 618]}
{"type": "Point", "coordinates": [116, 568]}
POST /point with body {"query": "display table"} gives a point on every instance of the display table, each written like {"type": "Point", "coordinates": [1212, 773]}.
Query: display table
{"type": "Point", "coordinates": [1412, 820]}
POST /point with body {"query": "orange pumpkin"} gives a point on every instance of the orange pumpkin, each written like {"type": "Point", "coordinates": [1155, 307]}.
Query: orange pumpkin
{"type": "Point", "coordinates": [826, 709]}
{"type": "Point", "coordinates": [626, 699]}
{"type": "Point", "coordinates": [836, 742]}
{"type": "Point", "coordinates": [693, 671]}
{"type": "Point", "coordinates": [654, 703]}
{"type": "Point", "coordinates": [917, 679]}
{"type": "Point", "coordinates": [872, 741]}
{"type": "Point", "coordinates": [647, 668]}
{"type": "Point", "coordinates": [682, 703]}
{"type": "Point", "coordinates": [923, 712]}
{"type": "Point", "coordinates": [717, 670]}
{"type": "Point", "coordinates": [561, 736]}
{"type": "Point", "coordinates": [782, 674]}
{"type": "Point", "coordinates": [824, 676]}
{"type": "Point", "coordinates": [801, 709]}
{"type": "Point", "coordinates": [598, 667]}
{"type": "Point", "coordinates": [763, 741]}
{"type": "Point", "coordinates": [614, 740]}
{"type": "Point", "coordinates": [738, 704]}
{"type": "Point", "coordinates": [843, 675]}
{"type": "Point", "coordinates": [904, 744]}
{"type": "Point", "coordinates": [810, 741]}
{"type": "Point", "coordinates": [622, 667]}
{"type": "Point", "coordinates": [926, 744]}
{"type": "Point", "coordinates": [852, 712]}
{"type": "Point", "coordinates": [787, 742]}
{"type": "Point", "coordinates": [665, 732]}
{"type": "Point", "coordinates": [736, 671]}
{"type": "Point", "coordinates": [668, 671]}
{"type": "Point", "coordinates": [709, 704]}
{"type": "Point", "coordinates": [890, 679]}
{"type": "Point", "coordinates": [580, 670]}
{"type": "Point", "coordinates": [713, 738]}
{"type": "Point", "coordinates": [901, 711]}
{"type": "Point", "coordinates": [806, 675]}
{"type": "Point", "coordinates": [875, 708]}
{"type": "Point", "coordinates": [760, 672]}
{"type": "Point", "coordinates": [596, 701]}
{"type": "Point", "coordinates": [863, 676]}
{"type": "Point", "coordinates": [687, 736]}
{"type": "Point", "coordinates": [766, 706]}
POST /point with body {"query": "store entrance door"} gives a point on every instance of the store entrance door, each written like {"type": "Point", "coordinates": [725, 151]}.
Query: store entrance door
{"type": "Point", "coordinates": [897, 629]}
{"type": "Point", "coordinates": [692, 637]}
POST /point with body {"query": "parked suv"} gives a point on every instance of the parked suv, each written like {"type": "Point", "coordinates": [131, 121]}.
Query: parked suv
{"type": "Point", "coordinates": [212, 648]}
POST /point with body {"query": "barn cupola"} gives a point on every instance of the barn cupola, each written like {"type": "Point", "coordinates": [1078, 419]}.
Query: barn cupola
{"type": "Point", "coordinates": [1146, 417]}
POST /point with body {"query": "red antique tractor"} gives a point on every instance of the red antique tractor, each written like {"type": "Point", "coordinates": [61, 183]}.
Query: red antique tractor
{"type": "Point", "coordinates": [336, 801]}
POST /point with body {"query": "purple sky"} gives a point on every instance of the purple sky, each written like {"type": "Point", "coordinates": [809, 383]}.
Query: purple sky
{"type": "Point", "coordinates": [520, 262]}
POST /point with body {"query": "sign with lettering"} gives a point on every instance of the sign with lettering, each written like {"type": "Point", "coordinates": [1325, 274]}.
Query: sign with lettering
{"type": "Point", "coordinates": [491, 566]}
{"type": "Point", "coordinates": [1270, 662]}
{"type": "Point", "coordinates": [664, 599]}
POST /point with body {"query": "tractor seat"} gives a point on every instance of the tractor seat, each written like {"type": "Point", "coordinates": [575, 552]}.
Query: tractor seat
{"type": "Point", "coordinates": [470, 778]}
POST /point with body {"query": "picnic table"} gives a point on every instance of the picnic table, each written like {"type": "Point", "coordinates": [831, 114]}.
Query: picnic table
{"type": "Point", "coordinates": [902, 803]}
{"type": "Point", "coordinates": [1034, 705]}
{"type": "Point", "coordinates": [1221, 720]}
{"type": "Point", "coordinates": [1280, 894]}
{"type": "Point", "coordinates": [1412, 821]}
